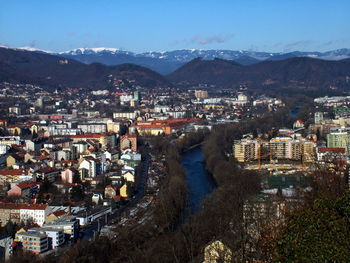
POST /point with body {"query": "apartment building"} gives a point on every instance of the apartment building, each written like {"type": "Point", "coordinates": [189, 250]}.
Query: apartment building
{"type": "Point", "coordinates": [279, 147]}
{"type": "Point", "coordinates": [22, 212]}
{"type": "Point", "coordinates": [68, 224]}
{"type": "Point", "coordinates": [55, 236]}
{"type": "Point", "coordinates": [93, 127]}
{"type": "Point", "coordinates": [124, 115]}
{"type": "Point", "coordinates": [245, 150]}
{"type": "Point", "coordinates": [36, 243]}
{"type": "Point", "coordinates": [201, 94]}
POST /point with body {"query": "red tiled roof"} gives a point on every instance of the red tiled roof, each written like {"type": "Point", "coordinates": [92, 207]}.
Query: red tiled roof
{"type": "Point", "coordinates": [23, 206]}
{"type": "Point", "coordinates": [25, 185]}
{"type": "Point", "coordinates": [90, 135]}
{"type": "Point", "coordinates": [42, 157]}
{"type": "Point", "coordinates": [47, 169]}
{"type": "Point", "coordinates": [129, 136]}
{"type": "Point", "coordinates": [13, 172]}
{"type": "Point", "coordinates": [331, 149]}
{"type": "Point", "coordinates": [59, 213]}
{"type": "Point", "coordinates": [150, 126]}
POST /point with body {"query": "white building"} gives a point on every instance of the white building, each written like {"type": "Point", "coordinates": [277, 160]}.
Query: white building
{"type": "Point", "coordinates": [127, 115]}
{"type": "Point", "coordinates": [89, 165]}
{"type": "Point", "coordinates": [35, 212]}
{"type": "Point", "coordinates": [126, 98]}
{"type": "Point", "coordinates": [93, 127]}
{"type": "Point", "coordinates": [242, 99]}
{"type": "Point", "coordinates": [318, 117]}
{"type": "Point", "coordinates": [4, 148]}
{"type": "Point", "coordinates": [68, 224]}
{"type": "Point", "coordinates": [55, 236]}
{"type": "Point", "coordinates": [81, 146]}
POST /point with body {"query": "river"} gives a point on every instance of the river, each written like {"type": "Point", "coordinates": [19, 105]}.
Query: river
{"type": "Point", "coordinates": [200, 183]}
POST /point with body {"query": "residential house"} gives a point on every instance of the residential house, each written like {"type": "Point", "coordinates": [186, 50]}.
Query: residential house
{"type": "Point", "coordinates": [129, 176]}
{"type": "Point", "coordinates": [128, 141]}
{"type": "Point", "coordinates": [67, 175]}
{"type": "Point", "coordinates": [24, 189]}
{"type": "Point", "coordinates": [15, 160]}
{"type": "Point", "coordinates": [14, 130]}
{"type": "Point", "coordinates": [63, 155]}
{"type": "Point", "coordinates": [8, 176]}
{"type": "Point", "coordinates": [80, 147]}
{"type": "Point", "coordinates": [89, 167]}
{"type": "Point", "coordinates": [49, 173]}
{"type": "Point", "coordinates": [111, 191]}
{"type": "Point", "coordinates": [111, 155]}
{"type": "Point", "coordinates": [124, 191]}
{"type": "Point", "coordinates": [35, 144]}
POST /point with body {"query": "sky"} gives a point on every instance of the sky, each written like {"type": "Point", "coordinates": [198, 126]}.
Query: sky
{"type": "Point", "coordinates": [163, 25]}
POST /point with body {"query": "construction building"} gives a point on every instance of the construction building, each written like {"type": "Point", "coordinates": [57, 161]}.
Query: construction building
{"type": "Point", "coordinates": [278, 148]}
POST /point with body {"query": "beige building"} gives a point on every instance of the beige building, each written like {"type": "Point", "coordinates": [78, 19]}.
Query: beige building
{"type": "Point", "coordinates": [124, 191]}
{"type": "Point", "coordinates": [245, 150]}
{"type": "Point", "coordinates": [113, 126]}
{"type": "Point", "coordinates": [279, 147]}
{"type": "Point", "coordinates": [9, 212]}
{"type": "Point", "coordinates": [201, 94]}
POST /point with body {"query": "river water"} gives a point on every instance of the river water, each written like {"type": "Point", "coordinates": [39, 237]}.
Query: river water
{"type": "Point", "coordinates": [200, 183]}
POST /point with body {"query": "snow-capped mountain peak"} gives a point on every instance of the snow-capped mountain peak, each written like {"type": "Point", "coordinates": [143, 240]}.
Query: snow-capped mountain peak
{"type": "Point", "coordinates": [35, 49]}
{"type": "Point", "coordinates": [96, 50]}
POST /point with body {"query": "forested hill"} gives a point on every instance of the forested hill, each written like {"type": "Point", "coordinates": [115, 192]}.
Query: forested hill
{"type": "Point", "coordinates": [293, 72]}
{"type": "Point", "coordinates": [19, 66]}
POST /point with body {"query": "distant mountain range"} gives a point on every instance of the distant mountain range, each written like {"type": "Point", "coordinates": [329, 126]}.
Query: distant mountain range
{"type": "Point", "coordinates": [22, 66]}
{"type": "Point", "coordinates": [37, 67]}
{"type": "Point", "coordinates": [167, 62]}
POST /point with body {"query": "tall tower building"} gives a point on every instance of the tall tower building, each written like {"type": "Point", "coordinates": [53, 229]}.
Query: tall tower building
{"type": "Point", "coordinates": [318, 117]}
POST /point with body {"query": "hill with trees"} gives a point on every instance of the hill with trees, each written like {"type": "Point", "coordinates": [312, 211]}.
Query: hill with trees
{"type": "Point", "coordinates": [20, 66]}
{"type": "Point", "coordinates": [299, 72]}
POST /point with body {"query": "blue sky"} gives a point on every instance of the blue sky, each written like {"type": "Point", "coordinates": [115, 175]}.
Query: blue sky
{"type": "Point", "coordinates": [144, 25]}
